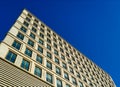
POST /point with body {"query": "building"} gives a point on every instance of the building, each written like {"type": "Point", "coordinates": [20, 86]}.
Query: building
{"type": "Point", "coordinates": [32, 54]}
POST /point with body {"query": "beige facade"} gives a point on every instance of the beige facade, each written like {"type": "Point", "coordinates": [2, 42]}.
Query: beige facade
{"type": "Point", "coordinates": [37, 54]}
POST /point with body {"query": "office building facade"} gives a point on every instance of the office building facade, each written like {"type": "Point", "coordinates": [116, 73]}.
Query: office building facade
{"type": "Point", "coordinates": [32, 54]}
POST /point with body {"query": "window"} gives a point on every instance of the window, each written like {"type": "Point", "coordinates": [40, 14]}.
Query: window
{"type": "Point", "coordinates": [25, 64]}
{"type": "Point", "coordinates": [36, 20]}
{"type": "Point", "coordinates": [69, 62]}
{"type": "Point", "coordinates": [57, 60]}
{"type": "Point", "coordinates": [26, 24]}
{"type": "Point", "coordinates": [41, 41]}
{"type": "Point", "coordinates": [58, 71]}
{"type": "Point", "coordinates": [73, 58]}
{"type": "Point", "coordinates": [20, 36]}
{"type": "Point", "coordinates": [32, 35]}
{"type": "Point", "coordinates": [34, 24]}
{"type": "Point", "coordinates": [60, 44]}
{"type": "Point", "coordinates": [80, 84]}
{"type": "Point", "coordinates": [59, 38]}
{"type": "Point", "coordinates": [75, 65]}
{"type": "Point", "coordinates": [67, 54]}
{"type": "Point", "coordinates": [28, 19]}
{"type": "Point", "coordinates": [63, 57]}
{"type": "Point", "coordinates": [39, 59]}
{"type": "Point", "coordinates": [30, 42]}
{"type": "Point", "coordinates": [55, 52]}
{"type": "Point", "coordinates": [59, 83]}
{"type": "Point", "coordinates": [49, 78]}
{"type": "Point", "coordinates": [55, 45]}
{"type": "Point", "coordinates": [42, 25]}
{"type": "Point", "coordinates": [48, 40]}
{"type": "Point", "coordinates": [11, 56]}
{"type": "Point", "coordinates": [48, 47]}
{"type": "Point", "coordinates": [40, 49]}
{"type": "Point", "coordinates": [78, 74]}
{"type": "Point", "coordinates": [28, 52]}
{"type": "Point", "coordinates": [41, 35]}
{"type": "Point", "coordinates": [49, 55]}
{"type": "Point", "coordinates": [84, 79]}
{"type": "Point", "coordinates": [78, 62]}
{"type": "Point", "coordinates": [38, 71]}
{"type": "Point", "coordinates": [67, 85]}
{"type": "Point", "coordinates": [71, 70]}
{"type": "Point", "coordinates": [54, 34]}
{"type": "Point", "coordinates": [48, 30]}
{"type": "Point", "coordinates": [42, 30]}
{"type": "Point", "coordinates": [74, 81]}
{"type": "Point", "coordinates": [66, 48]}
{"type": "Point", "coordinates": [16, 45]}
{"type": "Point", "coordinates": [61, 50]}
{"type": "Point", "coordinates": [64, 65]}
{"type": "Point", "coordinates": [34, 30]}
{"type": "Point", "coordinates": [66, 76]}
{"type": "Point", "coordinates": [54, 40]}
{"type": "Point", "coordinates": [49, 65]}
{"type": "Point", "coordinates": [23, 29]}
{"type": "Point", "coordinates": [48, 35]}
{"type": "Point", "coordinates": [29, 16]}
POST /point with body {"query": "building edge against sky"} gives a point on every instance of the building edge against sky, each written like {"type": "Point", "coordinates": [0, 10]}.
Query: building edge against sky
{"type": "Point", "coordinates": [32, 54]}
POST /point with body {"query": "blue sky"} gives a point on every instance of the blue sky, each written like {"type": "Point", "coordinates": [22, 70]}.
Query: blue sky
{"type": "Point", "coordinates": [91, 26]}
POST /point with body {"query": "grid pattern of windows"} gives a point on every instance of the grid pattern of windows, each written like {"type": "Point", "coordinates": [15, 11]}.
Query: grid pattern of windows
{"type": "Point", "coordinates": [58, 56]}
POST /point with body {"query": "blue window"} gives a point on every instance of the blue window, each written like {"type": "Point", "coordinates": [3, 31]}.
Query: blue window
{"type": "Point", "coordinates": [30, 42]}
{"type": "Point", "coordinates": [59, 83]}
{"type": "Point", "coordinates": [39, 59]}
{"type": "Point", "coordinates": [23, 29]}
{"type": "Point", "coordinates": [74, 81]}
{"type": "Point", "coordinates": [11, 56]}
{"type": "Point", "coordinates": [41, 35]}
{"type": "Point", "coordinates": [49, 78]}
{"type": "Point", "coordinates": [66, 76]}
{"type": "Point", "coordinates": [20, 36]}
{"type": "Point", "coordinates": [48, 47]}
{"type": "Point", "coordinates": [16, 45]}
{"type": "Point", "coordinates": [40, 49]}
{"type": "Point", "coordinates": [26, 24]}
{"type": "Point", "coordinates": [25, 64]}
{"type": "Point", "coordinates": [41, 41]}
{"type": "Point", "coordinates": [34, 30]}
{"type": "Point", "coordinates": [58, 71]}
{"type": "Point", "coordinates": [49, 55]}
{"type": "Point", "coordinates": [28, 52]}
{"type": "Point", "coordinates": [32, 35]}
{"type": "Point", "coordinates": [28, 19]}
{"type": "Point", "coordinates": [67, 85]}
{"type": "Point", "coordinates": [38, 71]}
{"type": "Point", "coordinates": [57, 60]}
{"type": "Point", "coordinates": [49, 65]}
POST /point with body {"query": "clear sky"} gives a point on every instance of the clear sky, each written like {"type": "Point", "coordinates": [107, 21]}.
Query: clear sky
{"type": "Point", "coordinates": [91, 26]}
